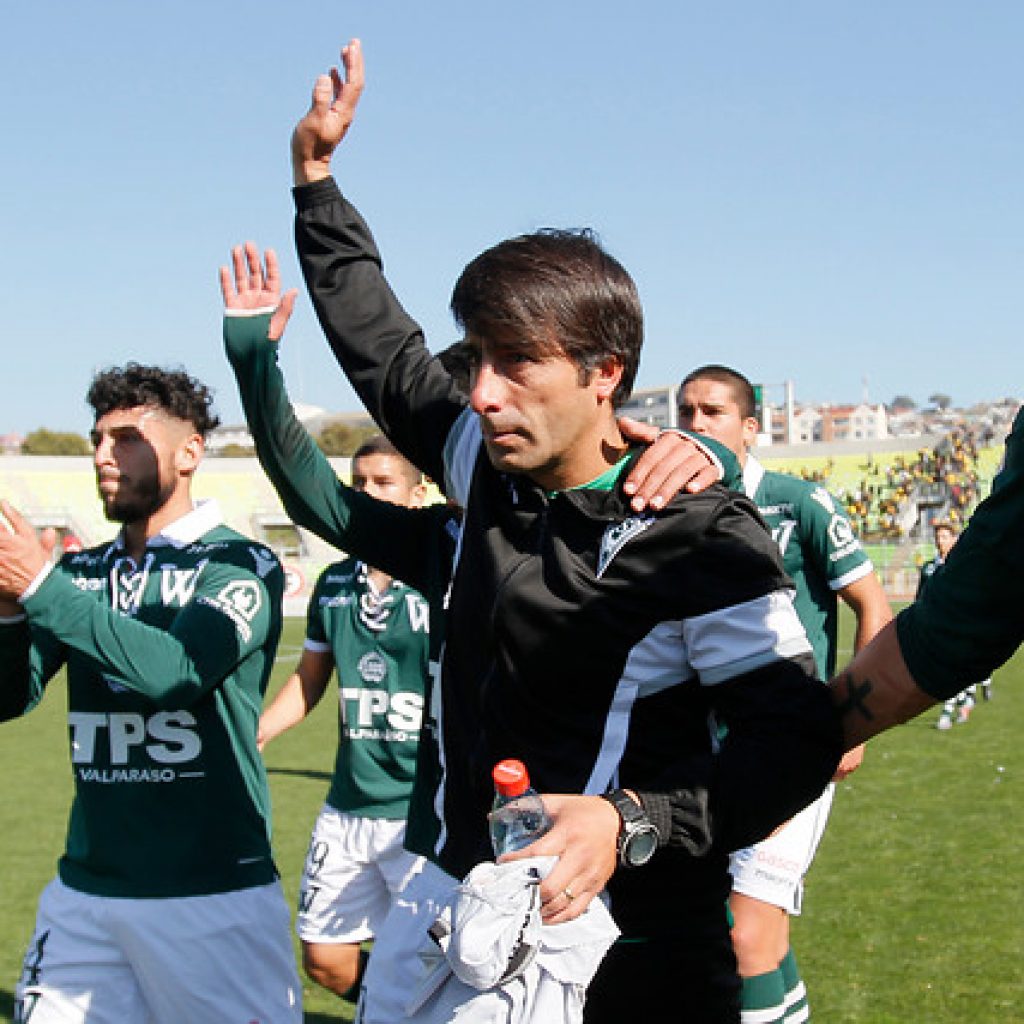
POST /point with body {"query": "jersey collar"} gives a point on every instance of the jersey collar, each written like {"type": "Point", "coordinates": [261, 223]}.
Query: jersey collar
{"type": "Point", "coordinates": [185, 530]}
{"type": "Point", "coordinates": [753, 474]}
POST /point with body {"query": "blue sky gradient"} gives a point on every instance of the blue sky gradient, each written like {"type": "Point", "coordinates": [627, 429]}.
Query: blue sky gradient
{"type": "Point", "coordinates": [825, 192]}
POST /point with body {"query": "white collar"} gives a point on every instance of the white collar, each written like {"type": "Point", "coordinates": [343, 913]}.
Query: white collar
{"type": "Point", "coordinates": [753, 474]}
{"type": "Point", "coordinates": [186, 529]}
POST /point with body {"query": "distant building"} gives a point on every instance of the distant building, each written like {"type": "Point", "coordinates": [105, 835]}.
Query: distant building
{"type": "Point", "coordinates": [10, 444]}
{"type": "Point", "coordinates": [854, 422]}
{"type": "Point", "coordinates": [238, 433]}
{"type": "Point", "coordinates": [653, 405]}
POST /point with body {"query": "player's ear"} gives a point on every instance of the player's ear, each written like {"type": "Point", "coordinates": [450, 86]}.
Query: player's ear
{"type": "Point", "coordinates": [189, 454]}
{"type": "Point", "coordinates": [750, 430]}
{"type": "Point", "coordinates": [605, 377]}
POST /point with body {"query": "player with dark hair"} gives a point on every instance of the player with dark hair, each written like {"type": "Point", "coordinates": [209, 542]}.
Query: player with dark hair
{"type": "Point", "coordinates": [598, 645]}
{"type": "Point", "coordinates": [372, 629]}
{"type": "Point", "coordinates": [174, 391]}
{"type": "Point", "coordinates": [826, 562]}
{"type": "Point", "coordinates": [167, 905]}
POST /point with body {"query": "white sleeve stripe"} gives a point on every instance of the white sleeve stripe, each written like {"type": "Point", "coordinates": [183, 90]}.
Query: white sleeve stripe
{"type": "Point", "coordinates": [262, 311]}
{"type": "Point", "coordinates": [858, 572]}
{"type": "Point", "coordinates": [732, 641]}
{"type": "Point", "coordinates": [316, 646]}
{"type": "Point", "coordinates": [37, 582]}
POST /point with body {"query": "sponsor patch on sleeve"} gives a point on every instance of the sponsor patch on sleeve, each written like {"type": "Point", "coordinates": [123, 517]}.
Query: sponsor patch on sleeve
{"type": "Point", "coordinates": [240, 601]}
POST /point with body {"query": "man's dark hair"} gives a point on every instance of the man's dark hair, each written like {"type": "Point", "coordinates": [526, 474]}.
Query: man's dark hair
{"type": "Point", "coordinates": [172, 391]}
{"type": "Point", "coordinates": [378, 444]}
{"type": "Point", "coordinates": [742, 389]}
{"type": "Point", "coordinates": [553, 293]}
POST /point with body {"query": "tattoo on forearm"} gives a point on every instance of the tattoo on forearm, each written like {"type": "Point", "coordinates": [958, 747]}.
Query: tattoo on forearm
{"type": "Point", "coordinates": [856, 695]}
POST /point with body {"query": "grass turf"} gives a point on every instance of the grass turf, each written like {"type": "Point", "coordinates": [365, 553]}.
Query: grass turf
{"type": "Point", "coordinates": [913, 911]}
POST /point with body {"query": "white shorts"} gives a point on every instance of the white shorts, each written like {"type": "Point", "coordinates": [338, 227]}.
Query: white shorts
{"type": "Point", "coordinates": [220, 959]}
{"type": "Point", "coordinates": [354, 869]}
{"type": "Point", "coordinates": [395, 967]}
{"type": "Point", "coordinates": [773, 870]}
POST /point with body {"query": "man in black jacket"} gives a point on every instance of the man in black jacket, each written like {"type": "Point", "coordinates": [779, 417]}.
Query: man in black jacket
{"type": "Point", "coordinates": [655, 659]}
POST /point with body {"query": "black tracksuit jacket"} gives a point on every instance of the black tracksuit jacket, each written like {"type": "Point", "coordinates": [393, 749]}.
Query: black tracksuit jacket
{"type": "Point", "coordinates": [600, 647]}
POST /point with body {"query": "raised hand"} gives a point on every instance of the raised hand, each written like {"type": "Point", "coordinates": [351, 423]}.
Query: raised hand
{"type": "Point", "coordinates": [333, 108]}
{"type": "Point", "coordinates": [253, 288]}
{"type": "Point", "coordinates": [23, 554]}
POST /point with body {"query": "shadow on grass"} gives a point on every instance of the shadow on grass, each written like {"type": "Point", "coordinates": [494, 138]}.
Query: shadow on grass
{"type": "Point", "coordinates": [7, 1012]}
{"type": "Point", "coordinates": [308, 773]}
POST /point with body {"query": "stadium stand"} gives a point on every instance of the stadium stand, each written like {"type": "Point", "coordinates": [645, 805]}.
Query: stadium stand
{"type": "Point", "coordinates": [892, 499]}
{"type": "Point", "coordinates": [60, 492]}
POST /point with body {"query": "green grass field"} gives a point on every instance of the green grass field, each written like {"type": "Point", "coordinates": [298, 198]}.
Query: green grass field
{"type": "Point", "coordinates": [913, 912]}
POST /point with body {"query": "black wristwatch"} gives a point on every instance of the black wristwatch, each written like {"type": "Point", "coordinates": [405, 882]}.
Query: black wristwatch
{"type": "Point", "coordinates": [638, 838]}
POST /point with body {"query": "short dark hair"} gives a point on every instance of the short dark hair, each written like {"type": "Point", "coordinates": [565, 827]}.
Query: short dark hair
{"type": "Point", "coordinates": [742, 389]}
{"type": "Point", "coordinates": [173, 391]}
{"type": "Point", "coordinates": [555, 292]}
{"type": "Point", "coordinates": [378, 444]}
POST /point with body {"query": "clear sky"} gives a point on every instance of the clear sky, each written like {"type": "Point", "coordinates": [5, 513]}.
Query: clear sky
{"type": "Point", "coordinates": [829, 192]}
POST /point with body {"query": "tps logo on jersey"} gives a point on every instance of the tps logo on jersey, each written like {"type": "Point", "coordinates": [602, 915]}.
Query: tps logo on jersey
{"type": "Point", "coordinates": [240, 601]}
{"type": "Point", "coordinates": [111, 738]}
{"type": "Point", "coordinates": [617, 537]}
{"type": "Point", "coordinates": [362, 706]}
{"type": "Point", "coordinates": [372, 667]}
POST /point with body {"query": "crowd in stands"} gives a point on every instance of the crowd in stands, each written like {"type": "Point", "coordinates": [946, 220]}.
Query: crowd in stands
{"type": "Point", "coordinates": [944, 478]}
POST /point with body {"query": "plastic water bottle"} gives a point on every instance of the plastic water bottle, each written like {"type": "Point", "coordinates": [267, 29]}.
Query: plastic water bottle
{"type": "Point", "coordinates": [517, 817]}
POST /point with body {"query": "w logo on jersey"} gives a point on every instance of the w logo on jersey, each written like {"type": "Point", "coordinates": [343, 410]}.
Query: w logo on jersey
{"type": "Point", "coordinates": [178, 585]}
{"type": "Point", "coordinates": [419, 613]}
{"type": "Point", "coordinates": [617, 537]}
{"type": "Point", "coordinates": [128, 584]}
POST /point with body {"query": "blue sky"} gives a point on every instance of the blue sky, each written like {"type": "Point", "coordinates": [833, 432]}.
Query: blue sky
{"type": "Point", "coordinates": [826, 192]}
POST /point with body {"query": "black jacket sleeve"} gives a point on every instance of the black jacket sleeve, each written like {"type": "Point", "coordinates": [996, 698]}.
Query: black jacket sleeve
{"type": "Point", "coordinates": [380, 348]}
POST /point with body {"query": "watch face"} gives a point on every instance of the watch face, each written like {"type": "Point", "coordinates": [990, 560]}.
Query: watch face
{"type": "Point", "coordinates": [640, 846]}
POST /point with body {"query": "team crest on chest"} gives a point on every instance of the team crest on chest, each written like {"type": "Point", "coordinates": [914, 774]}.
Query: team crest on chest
{"type": "Point", "coordinates": [372, 667]}
{"type": "Point", "coordinates": [617, 537]}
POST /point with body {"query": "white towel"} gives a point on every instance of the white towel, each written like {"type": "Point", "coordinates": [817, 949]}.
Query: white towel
{"type": "Point", "coordinates": [490, 959]}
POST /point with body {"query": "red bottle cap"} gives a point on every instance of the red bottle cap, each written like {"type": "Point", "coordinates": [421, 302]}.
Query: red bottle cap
{"type": "Point", "coordinates": [510, 777]}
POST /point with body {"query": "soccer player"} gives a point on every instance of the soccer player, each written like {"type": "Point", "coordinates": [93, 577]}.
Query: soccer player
{"type": "Point", "coordinates": [825, 561]}
{"type": "Point", "coordinates": [965, 626]}
{"type": "Point", "coordinates": [373, 629]}
{"type": "Point", "coordinates": [167, 905]}
{"type": "Point", "coordinates": [962, 703]}
{"type": "Point", "coordinates": [599, 646]}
